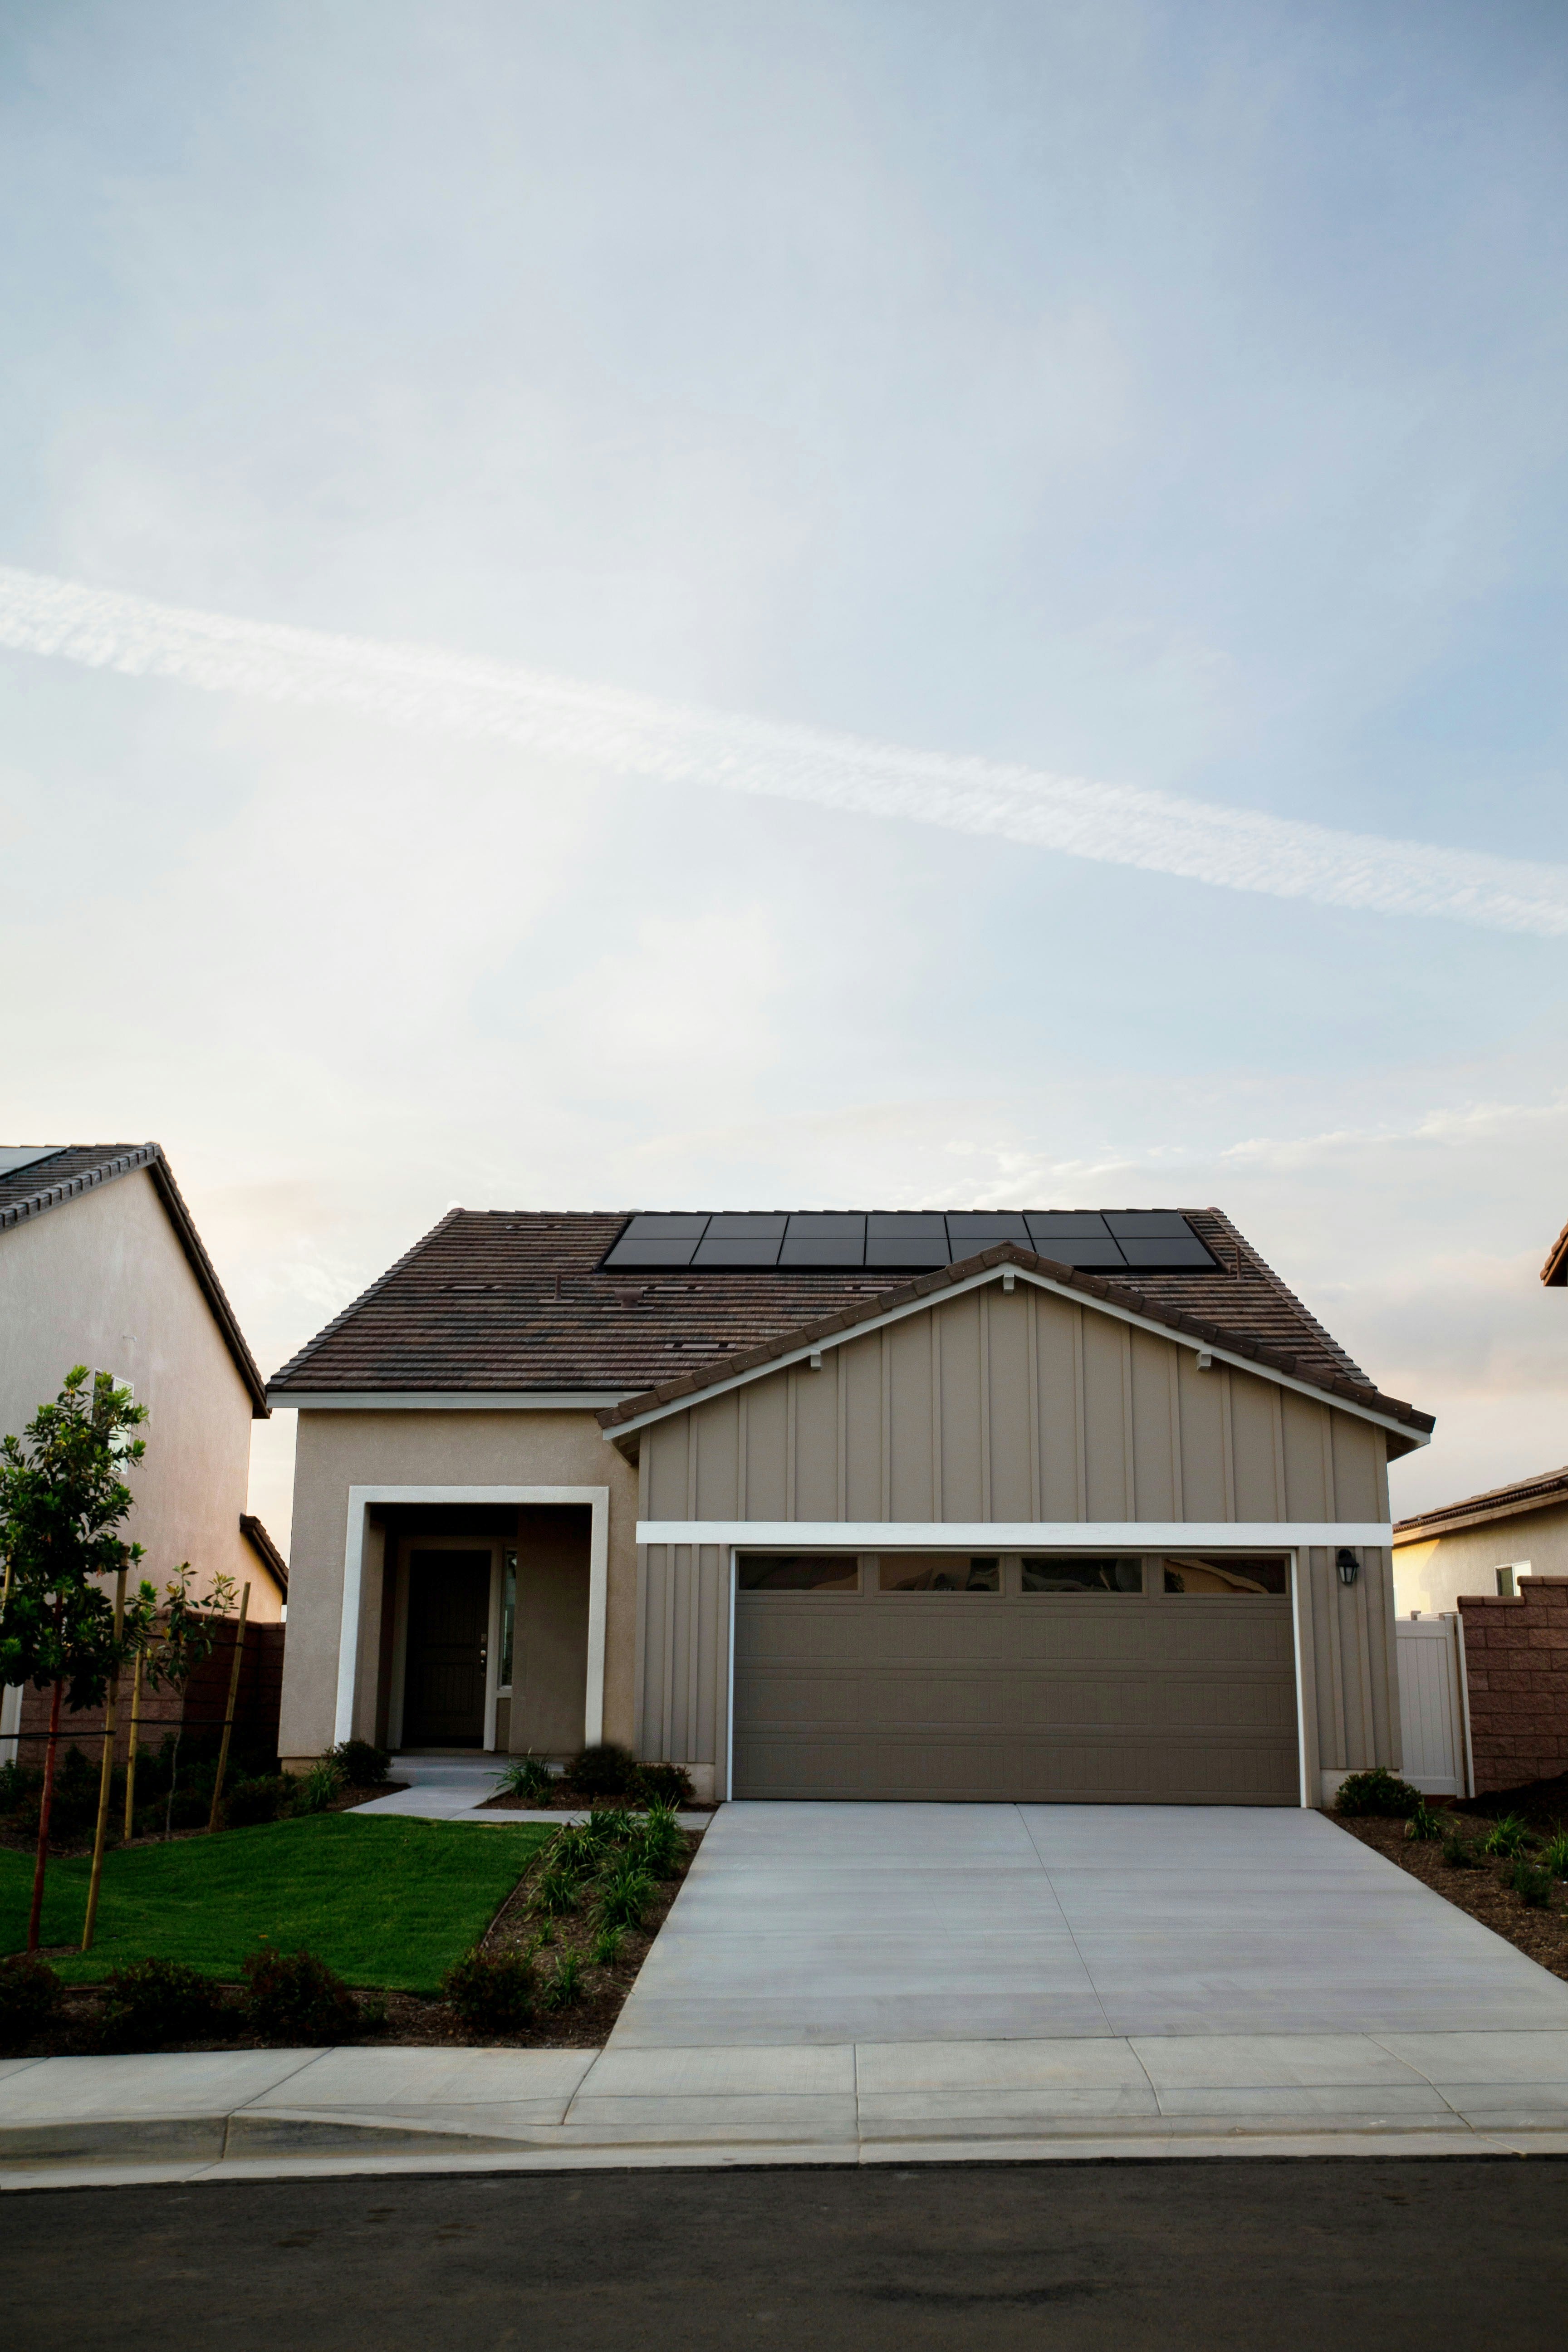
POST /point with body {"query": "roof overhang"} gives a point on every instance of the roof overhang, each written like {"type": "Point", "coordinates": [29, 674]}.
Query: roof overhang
{"type": "Point", "coordinates": [1009, 1270]}
{"type": "Point", "coordinates": [1555, 1273]}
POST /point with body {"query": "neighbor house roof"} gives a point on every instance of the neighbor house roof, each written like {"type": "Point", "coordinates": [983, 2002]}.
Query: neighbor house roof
{"type": "Point", "coordinates": [1555, 1273]}
{"type": "Point", "coordinates": [265, 1550]}
{"type": "Point", "coordinates": [510, 1302]}
{"type": "Point", "coordinates": [69, 1174]}
{"type": "Point", "coordinates": [1476, 1510]}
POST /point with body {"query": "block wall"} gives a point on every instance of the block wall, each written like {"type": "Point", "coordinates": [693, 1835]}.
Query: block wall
{"type": "Point", "coordinates": [1516, 1662]}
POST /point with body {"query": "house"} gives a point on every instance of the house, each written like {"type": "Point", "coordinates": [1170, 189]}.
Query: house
{"type": "Point", "coordinates": [100, 1263]}
{"type": "Point", "coordinates": [1481, 1546]}
{"type": "Point", "coordinates": [1068, 1504]}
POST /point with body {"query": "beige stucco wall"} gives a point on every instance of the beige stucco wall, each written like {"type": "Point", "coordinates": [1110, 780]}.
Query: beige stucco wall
{"type": "Point", "coordinates": [102, 1280]}
{"type": "Point", "coordinates": [1026, 1408]}
{"type": "Point", "coordinates": [1430, 1576]}
{"type": "Point", "coordinates": [337, 1450]}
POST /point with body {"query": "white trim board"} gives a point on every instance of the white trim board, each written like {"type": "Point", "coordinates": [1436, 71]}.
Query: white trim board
{"type": "Point", "coordinates": [1058, 1535]}
{"type": "Point", "coordinates": [443, 1400]}
{"type": "Point", "coordinates": [360, 1498]}
{"type": "Point", "coordinates": [929, 1299]}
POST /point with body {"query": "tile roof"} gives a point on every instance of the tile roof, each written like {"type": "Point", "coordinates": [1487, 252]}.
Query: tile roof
{"type": "Point", "coordinates": [77, 1169]}
{"type": "Point", "coordinates": [1495, 1502]}
{"type": "Point", "coordinates": [1555, 1273]}
{"type": "Point", "coordinates": [497, 1301]}
{"type": "Point", "coordinates": [265, 1550]}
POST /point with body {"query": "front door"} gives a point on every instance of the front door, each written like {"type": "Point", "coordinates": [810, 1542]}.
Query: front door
{"type": "Point", "coordinates": [448, 1628]}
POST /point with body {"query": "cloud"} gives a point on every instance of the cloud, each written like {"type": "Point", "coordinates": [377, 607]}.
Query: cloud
{"type": "Point", "coordinates": [424, 687]}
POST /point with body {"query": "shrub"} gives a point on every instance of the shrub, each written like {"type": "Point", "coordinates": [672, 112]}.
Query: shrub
{"type": "Point", "coordinates": [292, 1997]}
{"type": "Point", "coordinates": [565, 1984]}
{"type": "Point", "coordinates": [658, 1844]}
{"type": "Point", "coordinates": [1507, 1837]}
{"type": "Point", "coordinates": [29, 1995]}
{"type": "Point", "coordinates": [316, 1791]}
{"type": "Point", "coordinates": [492, 1992]}
{"type": "Point", "coordinates": [624, 1893]}
{"type": "Point", "coordinates": [362, 1765]}
{"type": "Point", "coordinates": [154, 2002]}
{"type": "Point", "coordinates": [527, 1776]}
{"type": "Point", "coordinates": [1555, 1858]}
{"type": "Point", "coordinates": [251, 1801]}
{"type": "Point", "coordinates": [664, 1784]}
{"type": "Point", "coordinates": [605, 1770]}
{"type": "Point", "coordinates": [607, 1946]}
{"type": "Point", "coordinates": [557, 1891]}
{"type": "Point", "coordinates": [1458, 1852]}
{"type": "Point", "coordinates": [188, 1809]}
{"type": "Point", "coordinates": [608, 1826]}
{"type": "Point", "coordinates": [1378, 1793]}
{"type": "Point", "coordinates": [575, 1850]}
{"type": "Point", "coordinates": [1424, 1823]}
{"type": "Point", "coordinates": [1530, 1883]}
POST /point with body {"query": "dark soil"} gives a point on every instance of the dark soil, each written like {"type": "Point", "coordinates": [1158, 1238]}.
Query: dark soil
{"type": "Point", "coordinates": [417, 2020]}
{"type": "Point", "coordinates": [1480, 1891]}
{"type": "Point", "coordinates": [77, 1841]}
{"type": "Point", "coordinates": [1542, 1803]}
{"type": "Point", "coordinates": [563, 1799]}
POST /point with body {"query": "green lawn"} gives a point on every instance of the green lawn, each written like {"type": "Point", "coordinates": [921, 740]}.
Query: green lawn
{"type": "Point", "coordinates": [388, 1902]}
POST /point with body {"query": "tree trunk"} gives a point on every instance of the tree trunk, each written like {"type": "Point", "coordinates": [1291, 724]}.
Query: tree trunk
{"type": "Point", "coordinates": [45, 1804]}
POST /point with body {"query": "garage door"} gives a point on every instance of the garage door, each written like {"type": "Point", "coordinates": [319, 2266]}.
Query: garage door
{"type": "Point", "coordinates": [1166, 1679]}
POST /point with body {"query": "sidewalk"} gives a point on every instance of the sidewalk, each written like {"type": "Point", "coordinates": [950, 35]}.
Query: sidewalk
{"type": "Point", "coordinates": [231, 2116]}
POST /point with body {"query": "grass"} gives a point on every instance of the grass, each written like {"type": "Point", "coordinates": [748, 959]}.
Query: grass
{"type": "Point", "coordinates": [390, 1902]}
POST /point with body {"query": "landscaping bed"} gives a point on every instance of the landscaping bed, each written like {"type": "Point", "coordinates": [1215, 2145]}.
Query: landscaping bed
{"type": "Point", "coordinates": [388, 1905]}
{"type": "Point", "coordinates": [1538, 1930]}
{"type": "Point", "coordinates": [563, 1798]}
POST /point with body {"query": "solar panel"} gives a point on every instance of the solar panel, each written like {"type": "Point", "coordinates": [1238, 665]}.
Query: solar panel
{"type": "Point", "coordinates": [824, 1238]}
{"type": "Point", "coordinates": [969, 1230]}
{"type": "Point", "coordinates": [1075, 1237]}
{"type": "Point", "coordinates": [1169, 1257]}
{"type": "Point", "coordinates": [913, 1240]}
{"type": "Point", "coordinates": [1057, 1223]}
{"type": "Point", "coordinates": [658, 1239]}
{"type": "Point", "coordinates": [747, 1238]}
{"type": "Point", "coordinates": [14, 1157]}
{"type": "Point", "coordinates": [1148, 1224]}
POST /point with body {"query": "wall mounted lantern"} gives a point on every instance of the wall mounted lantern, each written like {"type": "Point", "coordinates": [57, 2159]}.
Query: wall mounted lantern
{"type": "Point", "coordinates": [1348, 1566]}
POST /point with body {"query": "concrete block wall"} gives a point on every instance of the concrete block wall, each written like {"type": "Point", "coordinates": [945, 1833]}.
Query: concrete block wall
{"type": "Point", "coordinates": [205, 1704]}
{"type": "Point", "coordinates": [1516, 1662]}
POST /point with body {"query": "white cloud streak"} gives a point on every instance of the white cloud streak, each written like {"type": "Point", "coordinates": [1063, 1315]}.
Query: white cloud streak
{"type": "Point", "coordinates": [635, 735]}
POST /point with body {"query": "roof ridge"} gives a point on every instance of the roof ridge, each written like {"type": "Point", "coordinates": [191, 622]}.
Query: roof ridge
{"type": "Point", "coordinates": [295, 1363]}
{"type": "Point", "coordinates": [1353, 1386]}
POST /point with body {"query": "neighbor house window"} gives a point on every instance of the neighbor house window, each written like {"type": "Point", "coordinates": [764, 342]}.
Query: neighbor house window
{"type": "Point", "coordinates": [798, 1571]}
{"type": "Point", "coordinates": [507, 1615]}
{"type": "Point", "coordinates": [1508, 1579]}
{"type": "Point", "coordinates": [1057, 1575]}
{"type": "Point", "coordinates": [937, 1572]}
{"type": "Point", "coordinates": [1237, 1574]}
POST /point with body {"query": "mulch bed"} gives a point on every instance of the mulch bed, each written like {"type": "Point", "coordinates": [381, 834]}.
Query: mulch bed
{"type": "Point", "coordinates": [1542, 1934]}
{"type": "Point", "coordinates": [415, 2020]}
{"type": "Point", "coordinates": [563, 1799]}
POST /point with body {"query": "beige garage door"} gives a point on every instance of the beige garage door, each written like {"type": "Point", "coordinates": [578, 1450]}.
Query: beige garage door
{"type": "Point", "coordinates": [1157, 1680]}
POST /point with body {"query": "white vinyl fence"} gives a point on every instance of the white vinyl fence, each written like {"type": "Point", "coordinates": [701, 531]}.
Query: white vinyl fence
{"type": "Point", "coordinates": [1434, 1712]}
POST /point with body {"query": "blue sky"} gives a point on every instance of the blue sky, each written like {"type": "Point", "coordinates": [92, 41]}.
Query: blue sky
{"type": "Point", "coordinates": [1170, 395]}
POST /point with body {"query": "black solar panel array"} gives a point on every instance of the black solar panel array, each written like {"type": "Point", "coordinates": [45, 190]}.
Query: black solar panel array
{"type": "Point", "coordinates": [1108, 1241]}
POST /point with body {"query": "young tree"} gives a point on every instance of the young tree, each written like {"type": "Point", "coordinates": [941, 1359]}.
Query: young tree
{"type": "Point", "coordinates": [183, 1638]}
{"type": "Point", "coordinates": [63, 1501]}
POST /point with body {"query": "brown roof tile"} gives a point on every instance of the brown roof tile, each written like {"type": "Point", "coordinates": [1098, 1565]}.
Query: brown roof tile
{"type": "Point", "coordinates": [514, 1301]}
{"type": "Point", "coordinates": [1494, 1503]}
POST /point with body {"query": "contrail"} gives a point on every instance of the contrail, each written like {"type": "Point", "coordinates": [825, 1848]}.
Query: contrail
{"type": "Point", "coordinates": [420, 686]}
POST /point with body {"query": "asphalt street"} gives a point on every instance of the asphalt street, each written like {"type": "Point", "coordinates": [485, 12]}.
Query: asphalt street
{"type": "Point", "coordinates": [1400, 2253]}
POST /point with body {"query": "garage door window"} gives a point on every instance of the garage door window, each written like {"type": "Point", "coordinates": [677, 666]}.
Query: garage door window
{"type": "Point", "coordinates": [1061, 1575]}
{"type": "Point", "coordinates": [798, 1571]}
{"type": "Point", "coordinates": [937, 1572]}
{"type": "Point", "coordinates": [1235, 1576]}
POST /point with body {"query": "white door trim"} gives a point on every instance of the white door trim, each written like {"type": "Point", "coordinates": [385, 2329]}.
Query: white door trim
{"type": "Point", "coordinates": [995, 1535]}
{"type": "Point", "coordinates": [360, 1498]}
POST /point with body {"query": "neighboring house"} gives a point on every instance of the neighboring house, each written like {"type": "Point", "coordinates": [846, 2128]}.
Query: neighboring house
{"type": "Point", "coordinates": [101, 1264]}
{"type": "Point", "coordinates": [1055, 1506]}
{"type": "Point", "coordinates": [1481, 1546]}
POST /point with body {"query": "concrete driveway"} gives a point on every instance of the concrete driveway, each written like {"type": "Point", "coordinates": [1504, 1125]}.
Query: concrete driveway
{"type": "Point", "coordinates": [803, 1924]}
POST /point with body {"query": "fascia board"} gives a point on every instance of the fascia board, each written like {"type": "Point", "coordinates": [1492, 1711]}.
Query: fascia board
{"type": "Point", "coordinates": [997, 1535]}
{"type": "Point", "coordinates": [443, 1400]}
{"type": "Point", "coordinates": [1240, 1363]}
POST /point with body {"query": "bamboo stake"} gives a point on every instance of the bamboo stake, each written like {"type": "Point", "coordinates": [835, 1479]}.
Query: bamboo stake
{"type": "Point", "coordinates": [229, 1718]}
{"type": "Point", "coordinates": [135, 1736]}
{"type": "Point", "coordinates": [44, 1805]}
{"type": "Point", "coordinates": [106, 1776]}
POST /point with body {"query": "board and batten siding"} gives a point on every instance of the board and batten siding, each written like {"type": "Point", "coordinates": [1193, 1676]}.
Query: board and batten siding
{"type": "Point", "coordinates": [1020, 1407]}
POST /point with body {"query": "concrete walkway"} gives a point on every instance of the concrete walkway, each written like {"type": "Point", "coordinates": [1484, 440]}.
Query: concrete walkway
{"type": "Point", "coordinates": [887, 1984]}
{"type": "Point", "coordinates": [453, 1788]}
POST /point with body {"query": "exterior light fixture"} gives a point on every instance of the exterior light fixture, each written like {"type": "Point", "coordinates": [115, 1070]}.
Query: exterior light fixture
{"type": "Point", "coordinates": [1348, 1566]}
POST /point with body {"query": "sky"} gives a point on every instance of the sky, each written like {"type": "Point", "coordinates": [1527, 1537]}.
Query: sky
{"type": "Point", "coordinates": [1171, 397]}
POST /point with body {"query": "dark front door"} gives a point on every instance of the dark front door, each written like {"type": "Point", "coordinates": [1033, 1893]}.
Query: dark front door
{"type": "Point", "coordinates": [448, 1624]}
